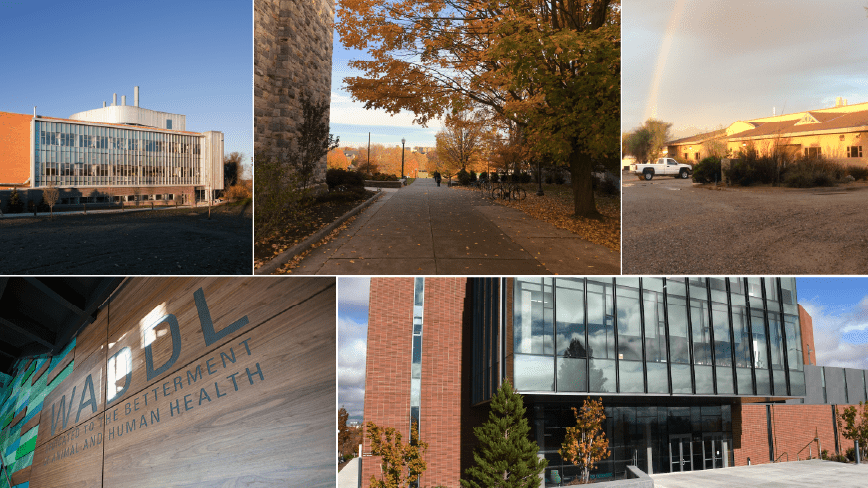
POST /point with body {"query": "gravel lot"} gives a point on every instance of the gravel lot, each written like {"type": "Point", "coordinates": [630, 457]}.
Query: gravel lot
{"type": "Point", "coordinates": [672, 227]}
{"type": "Point", "coordinates": [176, 242]}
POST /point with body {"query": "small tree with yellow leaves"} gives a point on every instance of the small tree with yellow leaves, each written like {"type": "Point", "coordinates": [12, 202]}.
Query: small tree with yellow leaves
{"type": "Point", "coordinates": [402, 463]}
{"type": "Point", "coordinates": [586, 443]}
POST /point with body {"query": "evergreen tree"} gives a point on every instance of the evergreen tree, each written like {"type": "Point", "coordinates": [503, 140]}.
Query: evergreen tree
{"type": "Point", "coordinates": [15, 203]}
{"type": "Point", "coordinates": [505, 457]}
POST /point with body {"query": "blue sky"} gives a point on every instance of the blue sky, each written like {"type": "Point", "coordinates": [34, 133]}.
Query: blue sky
{"type": "Point", "coordinates": [351, 122]}
{"type": "Point", "coordinates": [838, 309]}
{"type": "Point", "coordinates": [193, 58]}
{"type": "Point", "coordinates": [704, 63]}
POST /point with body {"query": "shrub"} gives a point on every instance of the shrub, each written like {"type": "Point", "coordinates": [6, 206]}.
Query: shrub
{"type": "Point", "coordinates": [858, 172]}
{"type": "Point", "coordinates": [383, 177]}
{"type": "Point", "coordinates": [851, 454]}
{"type": "Point", "coordinates": [237, 192]}
{"type": "Point", "coordinates": [463, 177]}
{"type": "Point", "coordinates": [495, 177]}
{"type": "Point", "coordinates": [336, 178]}
{"type": "Point", "coordinates": [524, 178]}
{"type": "Point", "coordinates": [472, 176]}
{"type": "Point", "coordinates": [559, 179]}
{"type": "Point", "coordinates": [279, 197]}
{"type": "Point", "coordinates": [345, 195]}
{"type": "Point", "coordinates": [707, 170]}
{"type": "Point", "coordinates": [483, 175]}
{"type": "Point", "coordinates": [812, 172]}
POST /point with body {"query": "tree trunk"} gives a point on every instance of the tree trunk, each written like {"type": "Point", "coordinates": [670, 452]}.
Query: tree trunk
{"type": "Point", "coordinates": [583, 191]}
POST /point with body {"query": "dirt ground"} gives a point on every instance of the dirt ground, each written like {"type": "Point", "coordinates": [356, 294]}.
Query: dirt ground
{"type": "Point", "coordinates": [160, 242]}
{"type": "Point", "coordinates": [672, 227]}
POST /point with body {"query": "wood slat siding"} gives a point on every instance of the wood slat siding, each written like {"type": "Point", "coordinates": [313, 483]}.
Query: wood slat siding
{"type": "Point", "coordinates": [255, 407]}
{"type": "Point", "coordinates": [39, 372]}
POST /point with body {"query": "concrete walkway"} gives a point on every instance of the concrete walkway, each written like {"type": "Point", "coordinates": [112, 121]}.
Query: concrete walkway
{"type": "Point", "coordinates": [349, 476]}
{"type": "Point", "coordinates": [423, 229]}
{"type": "Point", "coordinates": [781, 475]}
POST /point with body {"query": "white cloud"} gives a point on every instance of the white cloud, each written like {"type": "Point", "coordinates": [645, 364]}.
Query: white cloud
{"type": "Point", "coordinates": [829, 330]}
{"type": "Point", "coordinates": [352, 356]}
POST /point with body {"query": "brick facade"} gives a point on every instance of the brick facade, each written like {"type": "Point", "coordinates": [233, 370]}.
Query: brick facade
{"type": "Point", "coordinates": [15, 141]}
{"type": "Point", "coordinates": [292, 57]}
{"type": "Point", "coordinates": [387, 383]}
{"type": "Point", "coordinates": [793, 428]}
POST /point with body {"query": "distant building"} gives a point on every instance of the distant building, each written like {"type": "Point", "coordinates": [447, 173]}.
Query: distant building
{"type": "Point", "coordinates": [113, 154]}
{"type": "Point", "coordinates": [837, 133]}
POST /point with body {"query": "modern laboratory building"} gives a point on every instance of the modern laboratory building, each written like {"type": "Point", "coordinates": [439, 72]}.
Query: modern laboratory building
{"type": "Point", "coordinates": [694, 373]}
{"type": "Point", "coordinates": [114, 154]}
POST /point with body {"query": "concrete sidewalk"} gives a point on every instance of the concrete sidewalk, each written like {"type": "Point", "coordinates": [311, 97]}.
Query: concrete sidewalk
{"type": "Point", "coordinates": [809, 474]}
{"type": "Point", "coordinates": [423, 229]}
{"type": "Point", "coordinates": [349, 476]}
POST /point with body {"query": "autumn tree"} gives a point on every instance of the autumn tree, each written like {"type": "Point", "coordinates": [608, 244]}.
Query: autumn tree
{"type": "Point", "coordinates": [402, 464]}
{"type": "Point", "coordinates": [336, 159]}
{"type": "Point", "coordinates": [853, 424]}
{"type": "Point", "coordinates": [349, 437]}
{"type": "Point", "coordinates": [552, 67]}
{"type": "Point", "coordinates": [460, 142]}
{"type": "Point", "coordinates": [586, 443]}
{"type": "Point", "coordinates": [505, 457]}
{"type": "Point", "coordinates": [51, 195]}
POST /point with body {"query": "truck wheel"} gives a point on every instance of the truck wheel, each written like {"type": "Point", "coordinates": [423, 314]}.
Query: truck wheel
{"type": "Point", "coordinates": [684, 174]}
{"type": "Point", "coordinates": [649, 174]}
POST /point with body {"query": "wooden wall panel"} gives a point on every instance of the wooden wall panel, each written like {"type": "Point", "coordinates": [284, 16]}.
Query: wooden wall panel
{"type": "Point", "coordinates": [255, 406]}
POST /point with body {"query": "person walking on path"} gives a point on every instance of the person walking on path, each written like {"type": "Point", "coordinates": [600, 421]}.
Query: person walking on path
{"type": "Point", "coordinates": [437, 177]}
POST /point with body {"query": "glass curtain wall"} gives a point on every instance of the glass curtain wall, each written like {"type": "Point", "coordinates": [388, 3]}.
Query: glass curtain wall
{"type": "Point", "coordinates": [416, 345]}
{"type": "Point", "coordinates": [69, 154]}
{"type": "Point", "coordinates": [706, 336]}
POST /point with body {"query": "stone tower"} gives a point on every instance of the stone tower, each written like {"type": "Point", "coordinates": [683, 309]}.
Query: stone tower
{"type": "Point", "coordinates": [292, 56]}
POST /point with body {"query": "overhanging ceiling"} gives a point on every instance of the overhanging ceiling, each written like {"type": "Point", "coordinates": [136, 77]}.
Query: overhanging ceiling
{"type": "Point", "coordinates": [39, 316]}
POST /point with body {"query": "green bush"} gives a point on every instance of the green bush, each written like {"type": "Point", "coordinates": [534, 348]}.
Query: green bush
{"type": "Point", "coordinates": [483, 175]}
{"type": "Point", "coordinates": [279, 197]}
{"type": "Point", "coordinates": [336, 178]}
{"type": "Point", "coordinates": [463, 177]}
{"type": "Point", "coordinates": [472, 176]}
{"type": "Point", "coordinates": [345, 195]}
{"type": "Point", "coordinates": [858, 172]}
{"type": "Point", "coordinates": [707, 170]}
{"type": "Point", "coordinates": [813, 172]}
{"type": "Point", "coordinates": [851, 454]}
{"type": "Point", "coordinates": [495, 177]}
{"type": "Point", "coordinates": [383, 177]}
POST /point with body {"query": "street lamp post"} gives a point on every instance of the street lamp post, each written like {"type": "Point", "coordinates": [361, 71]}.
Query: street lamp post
{"type": "Point", "coordinates": [403, 141]}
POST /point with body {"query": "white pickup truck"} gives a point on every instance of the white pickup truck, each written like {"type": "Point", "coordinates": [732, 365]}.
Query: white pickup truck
{"type": "Point", "coordinates": [663, 166]}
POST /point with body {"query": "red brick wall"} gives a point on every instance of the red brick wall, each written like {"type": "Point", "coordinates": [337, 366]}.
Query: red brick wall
{"type": "Point", "coordinates": [807, 327]}
{"type": "Point", "coordinates": [441, 380]}
{"type": "Point", "coordinates": [387, 383]}
{"type": "Point", "coordinates": [793, 426]}
{"type": "Point", "coordinates": [15, 144]}
{"type": "Point", "coordinates": [387, 375]}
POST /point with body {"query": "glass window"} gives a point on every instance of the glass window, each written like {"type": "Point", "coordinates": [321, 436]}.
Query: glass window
{"type": "Point", "coordinates": [629, 324]}
{"type": "Point", "coordinates": [776, 341]}
{"type": "Point", "coordinates": [655, 340]}
{"type": "Point", "coordinates": [742, 350]}
{"type": "Point", "coordinates": [534, 329]}
{"type": "Point", "coordinates": [601, 321]}
{"type": "Point", "coordinates": [571, 351]}
{"type": "Point", "coordinates": [788, 296]}
{"type": "Point", "coordinates": [760, 352]}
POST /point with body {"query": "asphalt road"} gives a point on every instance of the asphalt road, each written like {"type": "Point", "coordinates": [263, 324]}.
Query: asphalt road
{"type": "Point", "coordinates": [672, 227]}
{"type": "Point", "coordinates": [159, 242]}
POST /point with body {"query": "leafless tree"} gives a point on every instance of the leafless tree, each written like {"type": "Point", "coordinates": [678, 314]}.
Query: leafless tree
{"type": "Point", "coordinates": [50, 195]}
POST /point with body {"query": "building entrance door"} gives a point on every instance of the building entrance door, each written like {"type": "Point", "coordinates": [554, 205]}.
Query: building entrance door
{"type": "Point", "coordinates": [712, 450]}
{"type": "Point", "coordinates": [680, 453]}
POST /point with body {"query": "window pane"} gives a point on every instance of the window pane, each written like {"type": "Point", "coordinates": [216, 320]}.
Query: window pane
{"type": "Point", "coordinates": [534, 373]}
{"type": "Point", "coordinates": [629, 324]}
{"type": "Point", "coordinates": [601, 333]}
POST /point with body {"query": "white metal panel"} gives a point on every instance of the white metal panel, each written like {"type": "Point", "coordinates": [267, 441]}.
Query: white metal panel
{"type": "Point", "coordinates": [129, 114]}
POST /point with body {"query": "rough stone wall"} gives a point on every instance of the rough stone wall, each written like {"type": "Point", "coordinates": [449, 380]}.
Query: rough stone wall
{"type": "Point", "coordinates": [292, 56]}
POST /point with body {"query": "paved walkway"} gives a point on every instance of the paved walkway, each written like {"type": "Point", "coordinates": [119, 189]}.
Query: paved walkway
{"type": "Point", "coordinates": [349, 476]}
{"type": "Point", "coordinates": [809, 474]}
{"type": "Point", "coordinates": [423, 229]}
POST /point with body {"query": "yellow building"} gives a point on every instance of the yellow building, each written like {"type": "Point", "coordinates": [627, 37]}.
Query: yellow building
{"type": "Point", "coordinates": [837, 133]}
